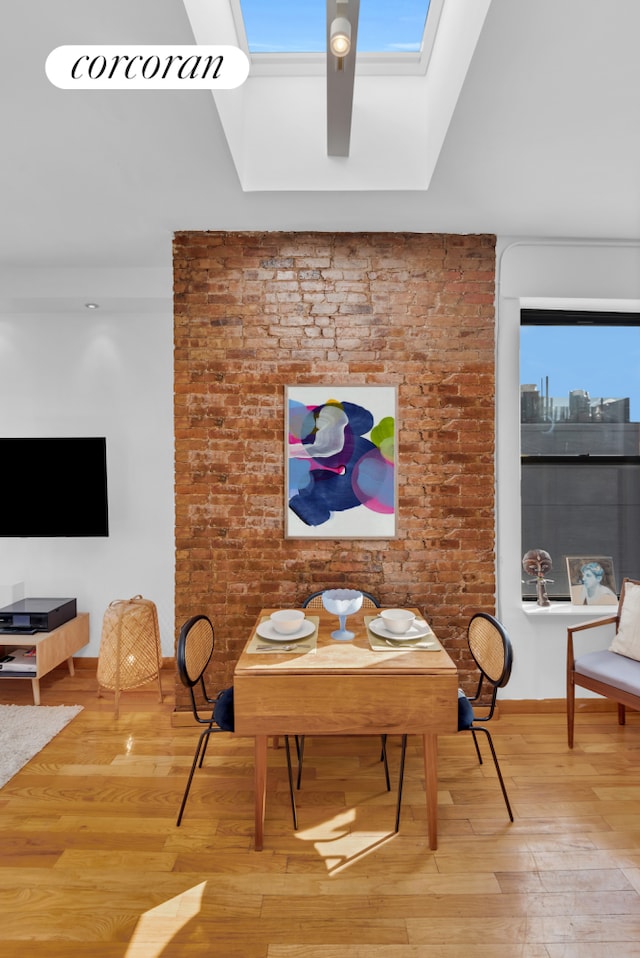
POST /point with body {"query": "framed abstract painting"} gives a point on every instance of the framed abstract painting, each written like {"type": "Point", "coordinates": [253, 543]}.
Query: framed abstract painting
{"type": "Point", "coordinates": [341, 468]}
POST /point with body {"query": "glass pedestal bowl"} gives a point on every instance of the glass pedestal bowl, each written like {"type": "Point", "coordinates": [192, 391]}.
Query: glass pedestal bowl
{"type": "Point", "coordinates": [342, 602]}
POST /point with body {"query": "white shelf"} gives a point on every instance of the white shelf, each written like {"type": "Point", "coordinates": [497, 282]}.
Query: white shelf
{"type": "Point", "coordinates": [566, 609]}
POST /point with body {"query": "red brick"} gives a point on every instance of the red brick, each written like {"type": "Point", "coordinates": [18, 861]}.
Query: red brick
{"type": "Point", "coordinates": [257, 311]}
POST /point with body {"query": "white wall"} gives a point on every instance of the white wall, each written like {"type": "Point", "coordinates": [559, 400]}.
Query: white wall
{"type": "Point", "coordinates": [553, 274]}
{"type": "Point", "coordinates": [68, 371]}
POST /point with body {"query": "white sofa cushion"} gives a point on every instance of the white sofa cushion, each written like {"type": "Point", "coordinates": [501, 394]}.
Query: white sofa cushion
{"type": "Point", "coordinates": [627, 639]}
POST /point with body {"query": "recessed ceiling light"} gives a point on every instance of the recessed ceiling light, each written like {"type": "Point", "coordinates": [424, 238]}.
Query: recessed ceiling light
{"type": "Point", "coordinates": [92, 306]}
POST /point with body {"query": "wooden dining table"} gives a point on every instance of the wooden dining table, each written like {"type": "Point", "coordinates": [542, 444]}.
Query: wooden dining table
{"type": "Point", "coordinates": [333, 687]}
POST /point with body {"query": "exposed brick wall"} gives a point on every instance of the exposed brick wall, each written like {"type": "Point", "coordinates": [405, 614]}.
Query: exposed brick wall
{"type": "Point", "coordinates": [257, 311]}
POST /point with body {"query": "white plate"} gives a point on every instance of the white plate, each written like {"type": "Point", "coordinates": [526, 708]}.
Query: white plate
{"type": "Point", "coordinates": [416, 631]}
{"type": "Point", "coordinates": [266, 631]}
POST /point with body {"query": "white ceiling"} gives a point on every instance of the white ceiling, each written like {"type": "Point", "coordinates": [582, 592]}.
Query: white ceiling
{"type": "Point", "coordinates": [544, 141]}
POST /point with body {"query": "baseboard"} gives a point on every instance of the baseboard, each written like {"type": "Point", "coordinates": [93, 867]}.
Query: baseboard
{"type": "Point", "coordinates": [552, 706]}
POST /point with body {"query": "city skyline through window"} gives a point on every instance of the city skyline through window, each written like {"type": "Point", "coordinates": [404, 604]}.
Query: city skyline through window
{"type": "Point", "coordinates": [604, 361]}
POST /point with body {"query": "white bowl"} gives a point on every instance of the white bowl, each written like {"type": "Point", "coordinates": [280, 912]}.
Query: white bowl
{"type": "Point", "coordinates": [398, 621]}
{"type": "Point", "coordinates": [287, 621]}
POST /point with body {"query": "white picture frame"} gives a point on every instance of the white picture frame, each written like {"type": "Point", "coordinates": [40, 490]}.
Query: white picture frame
{"type": "Point", "coordinates": [592, 580]}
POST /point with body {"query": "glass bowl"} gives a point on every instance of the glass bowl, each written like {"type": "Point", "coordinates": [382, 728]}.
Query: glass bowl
{"type": "Point", "coordinates": [342, 602]}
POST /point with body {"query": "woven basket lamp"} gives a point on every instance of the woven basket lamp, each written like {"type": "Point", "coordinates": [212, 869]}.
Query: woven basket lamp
{"type": "Point", "coordinates": [130, 651]}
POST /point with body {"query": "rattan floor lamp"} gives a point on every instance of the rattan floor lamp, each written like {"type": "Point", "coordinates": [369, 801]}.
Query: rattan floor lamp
{"type": "Point", "coordinates": [130, 651]}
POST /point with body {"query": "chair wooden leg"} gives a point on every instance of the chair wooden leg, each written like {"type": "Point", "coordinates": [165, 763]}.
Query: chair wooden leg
{"type": "Point", "coordinates": [571, 708]}
{"type": "Point", "coordinates": [622, 714]}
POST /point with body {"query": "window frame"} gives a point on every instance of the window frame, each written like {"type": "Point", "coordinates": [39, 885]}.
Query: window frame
{"type": "Point", "coordinates": [569, 317]}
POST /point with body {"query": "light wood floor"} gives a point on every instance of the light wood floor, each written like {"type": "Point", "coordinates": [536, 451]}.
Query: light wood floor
{"type": "Point", "coordinates": [92, 863]}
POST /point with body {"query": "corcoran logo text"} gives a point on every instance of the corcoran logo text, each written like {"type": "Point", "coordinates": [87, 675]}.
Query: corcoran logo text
{"type": "Point", "coordinates": [77, 67]}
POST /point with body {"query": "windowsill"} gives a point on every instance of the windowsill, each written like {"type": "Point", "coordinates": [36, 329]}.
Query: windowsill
{"type": "Point", "coordinates": [566, 608]}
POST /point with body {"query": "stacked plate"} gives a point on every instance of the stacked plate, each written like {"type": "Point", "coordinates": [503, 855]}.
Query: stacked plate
{"type": "Point", "coordinates": [266, 630]}
{"type": "Point", "coordinates": [417, 630]}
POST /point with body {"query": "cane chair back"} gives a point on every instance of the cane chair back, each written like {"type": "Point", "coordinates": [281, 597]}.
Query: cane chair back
{"type": "Point", "coordinates": [493, 654]}
{"type": "Point", "coordinates": [195, 648]}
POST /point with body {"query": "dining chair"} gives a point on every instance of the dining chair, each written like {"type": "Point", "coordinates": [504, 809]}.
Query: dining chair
{"type": "Point", "coordinates": [492, 652]}
{"type": "Point", "coordinates": [193, 654]}
{"type": "Point", "coordinates": [314, 601]}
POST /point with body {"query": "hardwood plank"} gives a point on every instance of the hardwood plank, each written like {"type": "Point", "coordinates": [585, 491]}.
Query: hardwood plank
{"type": "Point", "coordinates": [91, 861]}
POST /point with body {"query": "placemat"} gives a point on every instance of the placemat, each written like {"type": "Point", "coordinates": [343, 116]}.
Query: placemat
{"type": "Point", "coordinates": [260, 646]}
{"type": "Point", "coordinates": [379, 644]}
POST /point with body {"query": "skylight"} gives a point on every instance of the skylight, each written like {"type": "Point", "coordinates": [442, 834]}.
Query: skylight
{"type": "Point", "coordinates": [299, 26]}
{"type": "Point", "coordinates": [277, 123]}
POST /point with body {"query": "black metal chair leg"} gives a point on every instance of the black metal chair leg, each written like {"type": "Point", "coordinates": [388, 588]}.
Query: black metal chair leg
{"type": "Point", "coordinates": [475, 742]}
{"type": "Point", "coordinates": [497, 765]}
{"type": "Point", "coordinates": [291, 792]}
{"type": "Point", "coordinates": [403, 752]}
{"type": "Point", "coordinates": [383, 758]}
{"type": "Point", "coordinates": [204, 737]}
{"type": "Point", "coordinates": [300, 749]}
{"type": "Point", "coordinates": [206, 733]}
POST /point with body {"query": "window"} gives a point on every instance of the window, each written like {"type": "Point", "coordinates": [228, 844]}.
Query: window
{"type": "Point", "coordinates": [580, 439]}
{"type": "Point", "coordinates": [283, 26]}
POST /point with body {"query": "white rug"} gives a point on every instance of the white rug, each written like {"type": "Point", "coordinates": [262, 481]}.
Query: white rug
{"type": "Point", "coordinates": [25, 730]}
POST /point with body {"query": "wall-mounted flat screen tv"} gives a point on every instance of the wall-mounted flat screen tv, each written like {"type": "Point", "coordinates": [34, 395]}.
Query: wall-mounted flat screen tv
{"type": "Point", "coordinates": [53, 487]}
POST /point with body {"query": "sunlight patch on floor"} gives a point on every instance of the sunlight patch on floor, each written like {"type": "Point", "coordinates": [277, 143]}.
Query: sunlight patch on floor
{"type": "Point", "coordinates": [338, 844]}
{"type": "Point", "coordinates": [159, 925]}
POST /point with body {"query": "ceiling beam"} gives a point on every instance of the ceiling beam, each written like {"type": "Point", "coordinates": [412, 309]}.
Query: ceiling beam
{"type": "Point", "coordinates": [340, 80]}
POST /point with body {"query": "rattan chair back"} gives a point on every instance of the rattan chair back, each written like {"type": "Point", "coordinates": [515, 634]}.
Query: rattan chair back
{"type": "Point", "coordinates": [490, 647]}
{"type": "Point", "coordinates": [195, 648]}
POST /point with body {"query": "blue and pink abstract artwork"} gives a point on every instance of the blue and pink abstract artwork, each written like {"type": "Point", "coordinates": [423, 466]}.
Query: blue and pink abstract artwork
{"type": "Point", "coordinates": [341, 462]}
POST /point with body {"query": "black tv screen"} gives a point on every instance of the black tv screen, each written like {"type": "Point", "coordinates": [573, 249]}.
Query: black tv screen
{"type": "Point", "coordinates": [53, 487]}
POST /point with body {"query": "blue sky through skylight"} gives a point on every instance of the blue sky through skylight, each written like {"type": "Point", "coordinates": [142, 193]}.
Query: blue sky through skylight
{"type": "Point", "coordinates": [298, 26]}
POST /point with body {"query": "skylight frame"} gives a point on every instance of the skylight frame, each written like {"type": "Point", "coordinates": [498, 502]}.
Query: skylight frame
{"type": "Point", "coordinates": [406, 63]}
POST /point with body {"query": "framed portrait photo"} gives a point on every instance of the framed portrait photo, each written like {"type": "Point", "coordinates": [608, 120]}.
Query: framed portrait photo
{"type": "Point", "coordinates": [341, 466]}
{"type": "Point", "coordinates": [592, 580]}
